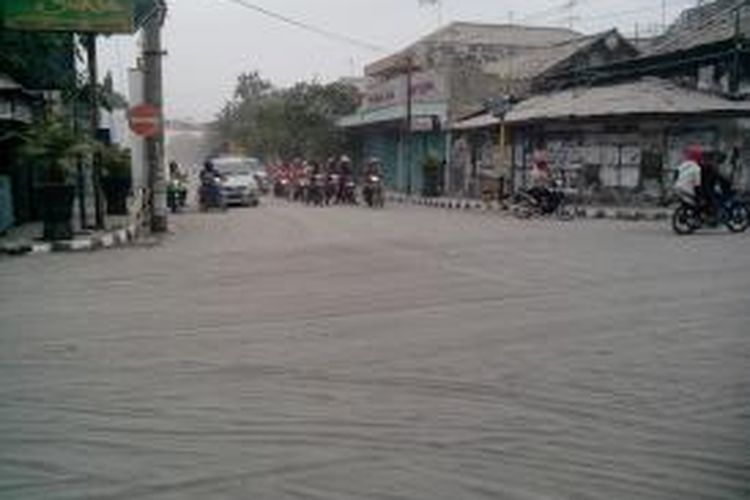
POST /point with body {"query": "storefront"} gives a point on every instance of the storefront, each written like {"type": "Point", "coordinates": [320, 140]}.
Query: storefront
{"type": "Point", "coordinates": [379, 129]}
{"type": "Point", "coordinates": [622, 142]}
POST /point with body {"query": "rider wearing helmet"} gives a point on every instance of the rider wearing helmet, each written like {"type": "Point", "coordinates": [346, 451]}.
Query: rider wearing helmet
{"type": "Point", "coordinates": [372, 167]}
{"type": "Point", "coordinates": [541, 179]}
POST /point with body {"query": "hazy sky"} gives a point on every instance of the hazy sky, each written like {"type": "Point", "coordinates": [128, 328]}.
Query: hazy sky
{"type": "Point", "coordinates": [211, 41]}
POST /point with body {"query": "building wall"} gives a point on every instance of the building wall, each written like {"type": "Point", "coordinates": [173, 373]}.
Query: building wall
{"type": "Point", "coordinates": [402, 159]}
{"type": "Point", "coordinates": [476, 154]}
{"type": "Point", "coordinates": [468, 90]}
{"type": "Point", "coordinates": [384, 145]}
{"type": "Point", "coordinates": [628, 161]}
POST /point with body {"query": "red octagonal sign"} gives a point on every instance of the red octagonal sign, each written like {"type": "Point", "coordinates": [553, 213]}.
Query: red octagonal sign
{"type": "Point", "coordinates": [144, 120]}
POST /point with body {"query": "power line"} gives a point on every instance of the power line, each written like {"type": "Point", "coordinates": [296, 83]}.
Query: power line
{"type": "Point", "coordinates": [544, 13]}
{"type": "Point", "coordinates": [612, 16]}
{"type": "Point", "coordinates": [309, 27]}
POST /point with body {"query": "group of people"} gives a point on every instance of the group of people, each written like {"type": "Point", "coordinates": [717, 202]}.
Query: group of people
{"type": "Point", "coordinates": [334, 181]}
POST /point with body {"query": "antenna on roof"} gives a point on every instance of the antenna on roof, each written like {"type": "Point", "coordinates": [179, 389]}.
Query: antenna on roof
{"type": "Point", "coordinates": [438, 5]}
{"type": "Point", "coordinates": [570, 7]}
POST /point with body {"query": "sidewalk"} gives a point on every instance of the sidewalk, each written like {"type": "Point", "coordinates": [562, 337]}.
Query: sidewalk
{"type": "Point", "coordinates": [26, 239]}
{"type": "Point", "coordinates": [584, 212]}
{"type": "Point", "coordinates": [122, 230]}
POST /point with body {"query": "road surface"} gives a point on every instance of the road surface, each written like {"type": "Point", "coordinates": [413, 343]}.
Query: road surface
{"type": "Point", "coordinates": [302, 353]}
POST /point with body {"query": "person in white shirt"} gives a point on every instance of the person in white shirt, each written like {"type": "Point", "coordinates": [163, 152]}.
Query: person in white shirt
{"type": "Point", "coordinates": [689, 174]}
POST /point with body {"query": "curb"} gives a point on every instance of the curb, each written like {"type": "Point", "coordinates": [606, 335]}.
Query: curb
{"type": "Point", "coordinates": [631, 215]}
{"type": "Point", "coordinates": [112, 239]}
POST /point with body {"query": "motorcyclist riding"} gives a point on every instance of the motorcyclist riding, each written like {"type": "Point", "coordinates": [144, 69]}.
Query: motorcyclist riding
{"type": "Point", "coordinates": [177, 188]}
{"type": "Point", "coordinates": [372, 168]}
{"type": "Point", "coordinates": [345, 179]}
{"type": "Point", "coordinates": [689, 175]}
{"type": "Point", "coordinates": [707, 198]}
{"type": "Point", "coordinates": [210, 194]}
{"type": "Point", "coordinates": [541, 180]}
{"type": "Point", "coordinates": [372, 183]}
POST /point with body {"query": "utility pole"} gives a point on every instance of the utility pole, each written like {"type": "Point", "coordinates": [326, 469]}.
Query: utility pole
{"type": "Point", "coordinates": [153, 93]}
{"type": "Point", "coordinates": [739, 39]}
{"type": "Point", "coordinates": [94, 120]}
{"type": "Point", "coordinates": [407, 147]}
{"type": "Point", "coordinates": [80, 175]}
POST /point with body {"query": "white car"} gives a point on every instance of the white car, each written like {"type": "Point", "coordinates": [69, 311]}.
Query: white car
{"type": "Point", "coordinates": [238, 185]}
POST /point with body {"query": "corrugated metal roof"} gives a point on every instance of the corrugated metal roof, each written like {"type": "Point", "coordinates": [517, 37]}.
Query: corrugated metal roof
{"type": "Point", "coordinates": [462, 33]}
{"type": "Point", "coordinates": [480, 121]}
{"type": "Point", "coordinates": [703, 25]}
{"type": "Point", "coordinates": [511, 35]}
{"type": "Point", "coordinates": [649, 96]}
{"type": "Point", "coordinates": [535, 61]}
{"type": "Point", "coordinates": [8, 83]}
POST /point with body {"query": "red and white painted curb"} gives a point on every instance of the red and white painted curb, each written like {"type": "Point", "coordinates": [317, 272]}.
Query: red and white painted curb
{"type": "Point", "coordinates": [623, 214]}
{"type": "Point", "coordinates": [112, 239]}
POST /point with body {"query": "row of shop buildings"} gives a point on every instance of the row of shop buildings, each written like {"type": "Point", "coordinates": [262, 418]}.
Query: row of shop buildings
{"type": "Point", "coordinates": [612, 115]}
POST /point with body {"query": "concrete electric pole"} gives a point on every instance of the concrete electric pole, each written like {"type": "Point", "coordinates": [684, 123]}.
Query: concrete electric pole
{"type": "Point", "coordinates": [94, 117]}
{"type": "Point", "coordinates": [153, 93]}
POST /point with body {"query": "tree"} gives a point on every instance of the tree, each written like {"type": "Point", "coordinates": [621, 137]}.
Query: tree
{"type": "Point", "coordinates": [38, 60]}
{"type": "Point", "coordinates": [299, 121]}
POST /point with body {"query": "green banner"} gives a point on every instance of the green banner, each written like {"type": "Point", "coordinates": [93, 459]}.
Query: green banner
{"type": "Point", "coordinates": [90, 16]}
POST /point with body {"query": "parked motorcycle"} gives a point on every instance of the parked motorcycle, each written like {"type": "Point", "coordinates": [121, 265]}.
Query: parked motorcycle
{"type": "Point", "coordinates": [690, 216]}
{"type": "Point", "coordinates": [373, 192]}
{"type": "Point", "coordinates": [541, 203]}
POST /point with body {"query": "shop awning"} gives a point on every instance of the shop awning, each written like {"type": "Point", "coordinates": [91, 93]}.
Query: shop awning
{"type": "Point", "coordinates": [476, 122]}
{"type": "Point", "coordinates": [393, 113]}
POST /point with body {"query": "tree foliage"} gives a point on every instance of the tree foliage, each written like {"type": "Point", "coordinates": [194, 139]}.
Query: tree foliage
{"type": "Point", "coordinates": [299, 121]}
{"type": "Point", "coordinates": [38, 60]}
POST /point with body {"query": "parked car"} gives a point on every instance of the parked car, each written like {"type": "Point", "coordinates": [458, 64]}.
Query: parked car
{"type": "Point", "coordinates": [238, 185]}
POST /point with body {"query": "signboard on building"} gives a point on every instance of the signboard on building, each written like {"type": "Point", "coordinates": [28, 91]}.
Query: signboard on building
{"type": "Point", "coordinates": [426, 87]}
{"type": "Point", "coordinates": [425, 123]}
{"type": "Point", "coordinates": [92, 16]}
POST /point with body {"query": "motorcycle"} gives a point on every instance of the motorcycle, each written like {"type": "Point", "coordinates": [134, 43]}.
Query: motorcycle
{"type": "Point", "coordinates": [176, 195]}
{"type": "Point", "coordinates": [210, 195]}
{"type": "Point", "coordinates": [318, 190]}
{"type": "Point", "coordinates": [541, 203]}
{"type": "Point", "coordinates": [303, 190]}
{"type": "Point", "coordinates": [332, 187]}
{"type": "Point", "coordinates": [281, 187]}
{"type": "Point", "coordinates": [372, 192]}
{"type": "Point", "coordinates": [689, 216]}
{"type": "Point", "coordinates": [349, 192]}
